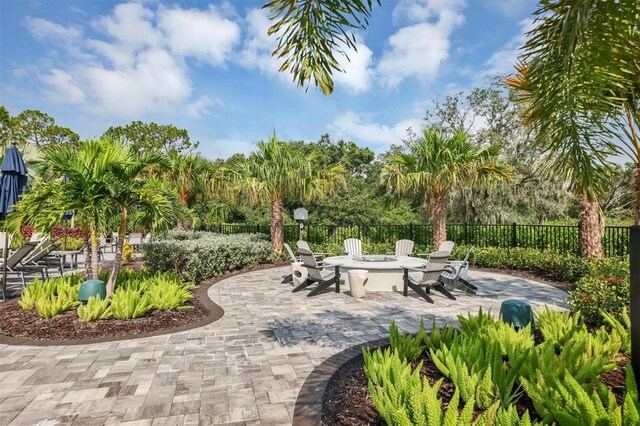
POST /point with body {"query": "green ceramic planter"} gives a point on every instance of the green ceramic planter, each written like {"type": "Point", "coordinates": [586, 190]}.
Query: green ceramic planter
{"type": "Point", "coordinates": [92, 288]}
{"type": "Point", "coordinates": [518, 313]}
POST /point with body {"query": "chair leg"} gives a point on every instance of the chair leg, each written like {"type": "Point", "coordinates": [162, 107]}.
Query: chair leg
{"type": "Point", "coordinates": [323, 285]}
{"type": "Point", "coordinates": [288, 279]}
{"type": "Point", "coordinates": [302, 285]}
{"type": "Point", "coordinates": [421, 292]}
{"type": "Point", "coordinates": [439, 286]}
{"type": "Point", "coordinates": [24, 283]}
{"type": "Point", "coordinates": [467, 284]}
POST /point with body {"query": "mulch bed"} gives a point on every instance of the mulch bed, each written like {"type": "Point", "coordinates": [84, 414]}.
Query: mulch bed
{"type": "Point", "coordinates": [18, 322]}
{"type": "Point", "coordinates": [347, 401]}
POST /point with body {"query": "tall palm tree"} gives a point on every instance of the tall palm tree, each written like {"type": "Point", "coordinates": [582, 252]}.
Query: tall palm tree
{"type": "Point", "coordinates": [434, 164]}
{"type": "Point", "coordinates": [190, 176]}
{"type": "Point", "coordinates": [131, 189]}
{"type": "Point", "coordinates": [579, 80]}
{"type": "Point", "coordinates": [85, 190]}
{"type": "Point", "coordinates": [279, 171]}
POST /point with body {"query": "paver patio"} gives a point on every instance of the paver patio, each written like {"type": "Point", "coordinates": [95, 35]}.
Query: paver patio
{"type": "Point", "coordinates": [247, 367]}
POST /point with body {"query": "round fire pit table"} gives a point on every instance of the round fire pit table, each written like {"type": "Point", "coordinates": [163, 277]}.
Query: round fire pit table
{"type": "Point", "coordinates": [385, 272]}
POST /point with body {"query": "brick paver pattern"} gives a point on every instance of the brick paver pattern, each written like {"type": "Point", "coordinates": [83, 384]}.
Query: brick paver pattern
{"type": "Point", "coordinates": [247, 367]}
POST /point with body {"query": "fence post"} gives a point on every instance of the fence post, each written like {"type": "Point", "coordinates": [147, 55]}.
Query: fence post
{"type": "Point", "coordinates": [634, 260]}
{"type": "Point", "coordinates": [359, 232]}
{"type": "Point", "coordinates": [411, 232]}
{"type": "Point", "coordinates": [514, 237]}
{"type": "Point", "coordinates": [466, 233]}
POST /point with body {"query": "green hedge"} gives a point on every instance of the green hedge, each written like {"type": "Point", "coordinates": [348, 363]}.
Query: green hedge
{"type": "Point", "coordinates": [197, 256]}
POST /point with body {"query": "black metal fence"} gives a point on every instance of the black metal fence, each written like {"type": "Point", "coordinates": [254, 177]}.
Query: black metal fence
{"type": "Point", "coordinates": [554, 238]}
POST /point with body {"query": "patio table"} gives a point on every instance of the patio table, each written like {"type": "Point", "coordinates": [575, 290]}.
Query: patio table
{"type": "Point", "coordinates": [385, 272]}
{"type": "Point", "coordinates": [62, 254]}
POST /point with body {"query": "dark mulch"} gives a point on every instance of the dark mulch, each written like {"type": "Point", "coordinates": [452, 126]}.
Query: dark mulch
{"type": "Point", "coordinates": [18, 322]}
{"type": "Point", "coordinates": [347, 401]}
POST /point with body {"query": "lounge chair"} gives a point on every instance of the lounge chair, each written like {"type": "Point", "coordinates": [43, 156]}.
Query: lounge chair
{"type": "Point", "coordinates": [135, 240]}
{"type": "Point", "coordinates": [102, 246]}
{"type": "Point", "coordinates": [37, 259]}
{"type": "Point", "coordinates": [453, 274]}
{"type": "Point", "coordinates": [305, 246]}
{"type": "Point", "coordinates": [404, 248]}
{"type": "Point", "coordinates": [314, 268]}
{"type": "Point", "coordinates": [353, 246]}
{"type": "Point", "coordinates": [444, 246]}
{"type": "Point", "coordinates": [13, 262]}
{"type": "Point", "coordinates": [289, 278]}
{"type": "Point", "coordinates": [431, 277]}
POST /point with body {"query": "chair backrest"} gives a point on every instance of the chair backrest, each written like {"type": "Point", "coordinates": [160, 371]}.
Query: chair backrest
{"type": "Point", "coordinates": [114, 235]}
{"type": "Point", "coordinates": [467, 256]}
{"type": "Point", "coordinates": [446, 246]}
{"type": "Point", "coordinates": [404, 247]}
{"type": "Point", "coordinates": [22, 252]}
{"type": "Point", "coordinates": [290, 252]}
{"type": "Point", "coordinates": [41, 251]}
{"type": "Point", "coordinates": [435, 265]}
{"type": "Point", "coordinates": [135, 238]}
{"type": "Point", "coordinates": [303, 245]}
{"type": "Point", "coordinates": [36, 236]}
{"type": "Point", "coordinates": [309, 260]}
{"type": "Point", "coordinates": [353, 246]}
{"type": "Point", "coordinates": [102, 240]}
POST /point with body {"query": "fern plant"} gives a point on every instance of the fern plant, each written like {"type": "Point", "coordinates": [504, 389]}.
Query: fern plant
{"type": "Point", "coordinates": [408, 347]}
{"type": "Point", "coordinates": [563, 400]}
{"type": "Point", "coordinates": [95, 309]}
{"type": "Point", "coordinates": [621, 327]}
{"type": "Point", "coordinates": [558, 327]}
{"type": "Point", "coordinates": [512, 342]}
{"type": "Point", "coordinates": [403, 399]}
{"type": "Point", "coordinates": [170, 296]}
{"type": "Point", "coordinates": [439, 336]}
{"type": "Point", "coordinates": [49, 308]}
{"type": "Point", "coordinates": [129, 304]}
{"type": "Point", "coordinates": [499, 416]}
{"type": "Point", "coordinates": [631, 407]}
{"type": "Point", "coordinates": [476, 323]}
{"type": "Point", "coordinates": [37, 291]}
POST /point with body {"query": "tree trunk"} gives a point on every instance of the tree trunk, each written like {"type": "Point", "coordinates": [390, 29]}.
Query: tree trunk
{"type": "Point", "coordinates": [86, 248]}
{"type": "Point", "coordinates": [439, 219]}
{"type": "Point", "coordinates": [637, 189]}
{"type": "Point", "coordinates": [94, 254]}
{"type": "Point", "coordinates": [182, 225]}
{"type": "Point", "coordinates": [122, 233]}
{"type": "Point", "coordinates": [277, 228]}
{"type": "Point", "coordinates": [591, 228]}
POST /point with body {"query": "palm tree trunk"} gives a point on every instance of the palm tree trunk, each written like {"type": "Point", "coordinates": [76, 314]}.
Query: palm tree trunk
{"type": "Point", "coordinates": [182, 225]}
{"type": "Point", "coordinates": [637, 190]}
{"type": "Point", "coordinates": [94, 254]}
{"type": "Point", "coordinates": [86, 244]}
{"type": "Point", "coordinates": [122, 233]}
{"type": "Point", "coordinates": [439, 219]}
{"type": "Point", "coordinates": [591, 228]}
{"type": "Point", "coordinates": [277, 235]}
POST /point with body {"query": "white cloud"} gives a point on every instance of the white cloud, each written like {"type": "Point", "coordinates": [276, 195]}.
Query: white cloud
{"type": "Point", "coordinates": [362, 130]}
{"type": "Point", "coordinates": [418, 50]}
{"type": "Point", "coordinates": [501, 62]}
{"type": "Point", "coordinates": [63, 88]}
{"type": "Point", "coordinates": [205, 35]}
{"type": "Point", "coordinates": [139, 65]}
{"type": "Point", "coordinates": [43, 29]}
{"type": "Point", "coordinates": [357, 73]}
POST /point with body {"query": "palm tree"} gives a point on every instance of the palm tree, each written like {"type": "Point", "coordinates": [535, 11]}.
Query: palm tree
{"type": "Point", "coordinates": [579, 80]}
{"type": "Point", "coordinates": [190, 176]}
{"type": "Point", "coordinates": [279, 171]}
{"type": "Point", "coordinates": [131, 190]}
{"type": "Point", "coordinates": [436, 163]}
{"type": "Point", "coordinates": [85, 189]}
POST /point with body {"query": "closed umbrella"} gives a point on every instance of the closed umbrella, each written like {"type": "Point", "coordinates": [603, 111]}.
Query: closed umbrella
{"type": "Point", "coordinates": [13, 182]}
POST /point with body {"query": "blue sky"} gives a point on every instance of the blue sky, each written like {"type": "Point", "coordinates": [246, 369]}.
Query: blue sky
{"type": "Point", "coordinates": [206, 67]}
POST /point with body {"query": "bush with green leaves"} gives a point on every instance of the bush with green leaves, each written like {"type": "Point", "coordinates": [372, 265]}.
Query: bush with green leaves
{"type": "Point", "coordinates": [197, 256]}
{"type": "Point", "coordinates": [95, 309]}
{"type": "Point", "coordinates": [594, 295]}
{"type": "Point", "coordinates": [558, 327]}
{"type": "Point", "coordinates": [129, 304]}
{"type": "Point", "coordinates": [407, 346]}
{"type": "Point", "coordinates": [170, 293]}
{"type": "Point", "coordinates": [439, 336]}
{"type": "Point", "coordinates": [622, 328]}
{"type": "Point", "coordinates": [51, 297]}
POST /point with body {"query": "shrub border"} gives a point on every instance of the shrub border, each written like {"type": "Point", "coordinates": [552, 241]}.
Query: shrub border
{"type": "Point", "coordinates": [215, 313]}
{"type": "Point", "coordinates": [308, 408]}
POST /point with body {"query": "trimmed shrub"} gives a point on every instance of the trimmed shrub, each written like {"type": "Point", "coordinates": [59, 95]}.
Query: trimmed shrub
{"type": "Point", "coordinates": [197, 256]}
{"type": "Point", "coordinates": [594, 295]}
{"type": "Point", "coordinates": [95, 309]}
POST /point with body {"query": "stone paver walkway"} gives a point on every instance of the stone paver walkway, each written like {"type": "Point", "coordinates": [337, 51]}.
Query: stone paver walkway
{"type": "Point", "coordinates": [248, 367]}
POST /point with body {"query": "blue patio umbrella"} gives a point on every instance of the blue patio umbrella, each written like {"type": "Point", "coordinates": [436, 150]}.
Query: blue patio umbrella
{"type": "Point", "coordinates": [13, 182]}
